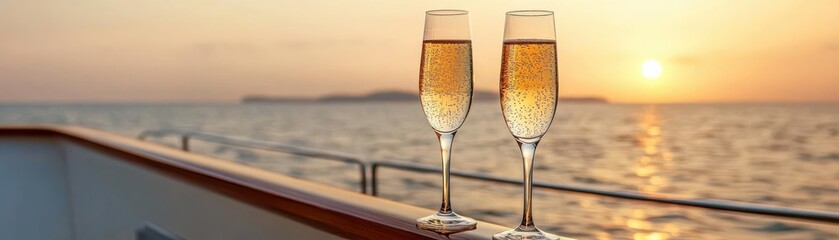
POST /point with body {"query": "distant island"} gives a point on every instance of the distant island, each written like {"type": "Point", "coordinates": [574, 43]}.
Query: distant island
{"type": "Point", "coordinates": [396, 96]}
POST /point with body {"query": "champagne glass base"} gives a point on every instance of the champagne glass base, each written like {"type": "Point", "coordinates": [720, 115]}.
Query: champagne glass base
{"type": "Point", "coordinates": [446, 223]}
{"type": "Point", "coordinates": [522, 234]}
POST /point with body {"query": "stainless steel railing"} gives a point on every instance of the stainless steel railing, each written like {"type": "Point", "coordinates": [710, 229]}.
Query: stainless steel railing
{"type": "Point", "coordinates": [186, 136]}
{"type": "Point", "coordinates": [732, 206]}
{"type": "Point", "coordinates": [375, 166]}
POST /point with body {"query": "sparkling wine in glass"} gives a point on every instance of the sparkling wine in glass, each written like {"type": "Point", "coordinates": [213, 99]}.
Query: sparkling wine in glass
{"type": "Point", "coordinates": [445, 88]}
{"type": "Point", "coordinates": [529, 89]}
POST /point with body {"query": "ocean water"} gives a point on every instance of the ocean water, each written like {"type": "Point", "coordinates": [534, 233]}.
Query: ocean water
{"type": "Point", "coordinates": [777, 154]}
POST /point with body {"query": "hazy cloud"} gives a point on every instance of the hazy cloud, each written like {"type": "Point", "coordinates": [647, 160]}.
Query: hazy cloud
{"type": "Point", "coordinates": [303, 44]}
{"type": "Point", "coordinates": [684, 60]}
{"type": "Point", "coordinates": [831, 46]}
{"type": "Point", "coordinates": [211, 49]}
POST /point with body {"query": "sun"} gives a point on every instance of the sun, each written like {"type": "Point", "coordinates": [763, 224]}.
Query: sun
{"type": "Point", "coordinates": [651, 69]}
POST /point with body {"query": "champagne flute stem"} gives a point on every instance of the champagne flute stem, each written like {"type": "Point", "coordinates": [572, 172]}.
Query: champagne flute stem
{"type": "Point", "coordinates": [445, 150]}
{"type": "Point", "coordinates": [528, 152]}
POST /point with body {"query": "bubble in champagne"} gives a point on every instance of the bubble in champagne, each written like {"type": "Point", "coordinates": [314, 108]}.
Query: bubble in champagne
{"type": "Point", "coordinates": [529, 86]}
{"type": "Point", "coordinates": [446, 82]}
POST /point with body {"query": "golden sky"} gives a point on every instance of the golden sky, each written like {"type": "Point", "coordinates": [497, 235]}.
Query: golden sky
{"type": "Point", "coordinates": [156, 50]}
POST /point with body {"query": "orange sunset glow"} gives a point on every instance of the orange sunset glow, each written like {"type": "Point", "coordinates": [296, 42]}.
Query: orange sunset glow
{"type": "Point", "coordinates": [701, 51]}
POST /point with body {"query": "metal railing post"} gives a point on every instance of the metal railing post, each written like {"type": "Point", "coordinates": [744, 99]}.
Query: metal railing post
{"type": "Point", "coordinates": [363, 179]}
{"type": "Point", "coordinates": [185, 142]}
{"type": "Point", "coordinates": [374, 186]}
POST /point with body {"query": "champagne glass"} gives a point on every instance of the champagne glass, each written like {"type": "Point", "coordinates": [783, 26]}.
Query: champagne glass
{"type": "Point", "coordinates": [529, 87]}
{"type": "Point", "coordinates": [445, 88]}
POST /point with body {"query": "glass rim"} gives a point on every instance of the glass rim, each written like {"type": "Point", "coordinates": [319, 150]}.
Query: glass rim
{"type": "Point", "coordinates": [446, 12]}
{"type": "Point", "coordinates": [530, 13]}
